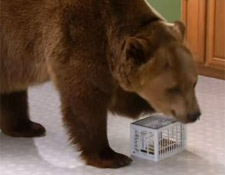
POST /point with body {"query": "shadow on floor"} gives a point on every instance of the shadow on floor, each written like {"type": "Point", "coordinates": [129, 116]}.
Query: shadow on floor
{"type": "Point", "coordinates": [25, 157]}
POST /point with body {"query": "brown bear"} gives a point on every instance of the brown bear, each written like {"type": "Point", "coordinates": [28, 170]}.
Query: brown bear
{"type": "Point", "coordinates": [102, 55]}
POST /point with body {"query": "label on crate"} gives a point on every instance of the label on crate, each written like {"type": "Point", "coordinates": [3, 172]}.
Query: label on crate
{"type": "Point", "coordinates": [155, 121]}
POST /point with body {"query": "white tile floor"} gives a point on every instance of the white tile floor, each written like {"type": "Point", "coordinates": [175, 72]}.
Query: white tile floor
{"type": "Point", "coordinates": [52, 155]}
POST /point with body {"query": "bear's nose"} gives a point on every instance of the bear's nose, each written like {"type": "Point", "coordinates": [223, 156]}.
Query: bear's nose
{"type": "Point", "coordinates": [193, 117]}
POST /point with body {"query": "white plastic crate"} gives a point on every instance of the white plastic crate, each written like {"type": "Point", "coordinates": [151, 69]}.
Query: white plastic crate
{"type": "Point", "coordinates": [157, 137]}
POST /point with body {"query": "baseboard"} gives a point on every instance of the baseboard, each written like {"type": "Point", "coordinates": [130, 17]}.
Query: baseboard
{"type": "Point", "coordinates": [211, 72]}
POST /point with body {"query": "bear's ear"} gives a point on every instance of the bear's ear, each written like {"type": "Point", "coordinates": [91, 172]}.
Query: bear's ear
{"type": "Point", "coordinates": [135, 50]}
{"type": "Point", "coordinates": [180, 28]}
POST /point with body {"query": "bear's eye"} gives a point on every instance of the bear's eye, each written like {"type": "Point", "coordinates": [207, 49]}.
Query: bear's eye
{"type": "Point", "coordinates": [174, 90]}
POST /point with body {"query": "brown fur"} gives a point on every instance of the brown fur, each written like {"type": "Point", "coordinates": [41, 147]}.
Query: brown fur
{"type": "Point", "coordinates": [102, 55]}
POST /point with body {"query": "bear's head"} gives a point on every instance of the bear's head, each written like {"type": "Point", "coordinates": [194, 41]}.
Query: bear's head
{"type": "Point", "coordinates": [157, 64]}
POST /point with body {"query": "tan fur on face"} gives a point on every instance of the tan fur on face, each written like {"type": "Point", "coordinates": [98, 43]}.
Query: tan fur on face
{"type": "Point", "coordinates": [168, 78]}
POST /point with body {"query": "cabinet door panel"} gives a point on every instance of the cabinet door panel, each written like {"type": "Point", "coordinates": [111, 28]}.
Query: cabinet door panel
{"type": "Point", "coordinates": [216, 34]}
{"type": "Point", "coordinates": [194, 16]}
{"type": "Point", "coordinates": [220, 29]}
{"type": "Point", "coordinates": [205, 20]}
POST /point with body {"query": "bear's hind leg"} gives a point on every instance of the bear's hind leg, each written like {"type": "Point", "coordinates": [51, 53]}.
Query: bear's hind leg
{"type": "Point", "coordinates": [14, 119]}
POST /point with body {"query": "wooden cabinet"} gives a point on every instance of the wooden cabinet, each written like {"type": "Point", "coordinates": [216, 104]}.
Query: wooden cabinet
{"type": "Point", "coordinates": [205, 20]}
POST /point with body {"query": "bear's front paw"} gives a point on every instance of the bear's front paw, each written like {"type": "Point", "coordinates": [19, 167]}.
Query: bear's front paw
{"type": "Point", "coordinates": [115, 160]}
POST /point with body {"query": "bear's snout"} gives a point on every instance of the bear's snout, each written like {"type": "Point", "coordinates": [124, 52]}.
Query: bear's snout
{"type": "Point", "coordinates": [193, 117]}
